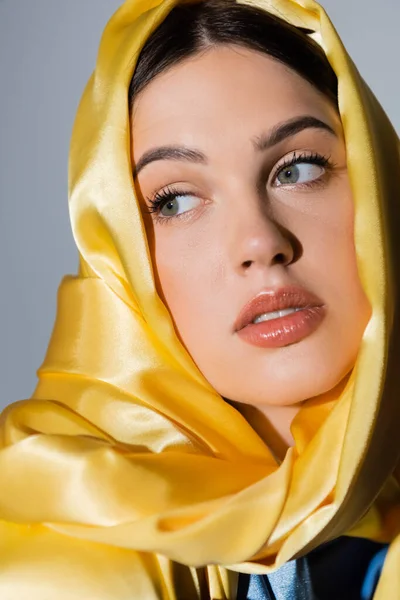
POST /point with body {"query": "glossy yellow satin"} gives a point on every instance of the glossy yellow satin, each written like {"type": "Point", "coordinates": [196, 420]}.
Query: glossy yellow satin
{"type": "Point", "coordinates": [126, 476]}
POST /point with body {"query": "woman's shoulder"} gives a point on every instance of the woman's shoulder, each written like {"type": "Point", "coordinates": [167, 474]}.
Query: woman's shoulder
{"type": "Point", "coordinates": [346, 568]}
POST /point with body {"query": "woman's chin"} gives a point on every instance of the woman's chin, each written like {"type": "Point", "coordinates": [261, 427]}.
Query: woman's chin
{"type": "Point", "coordinates": [286, 386]}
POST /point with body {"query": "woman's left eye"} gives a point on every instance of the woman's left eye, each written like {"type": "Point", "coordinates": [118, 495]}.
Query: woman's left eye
{"type": "Point", "coordinates": [299, 173]}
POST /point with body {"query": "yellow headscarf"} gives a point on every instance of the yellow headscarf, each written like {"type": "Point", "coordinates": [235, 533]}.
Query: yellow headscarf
{"type": "Point", "coordinates": [126, 465]}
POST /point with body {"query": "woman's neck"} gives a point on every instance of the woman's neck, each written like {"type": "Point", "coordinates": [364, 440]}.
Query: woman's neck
{"type": "Point", "coordinates": [273, 423]}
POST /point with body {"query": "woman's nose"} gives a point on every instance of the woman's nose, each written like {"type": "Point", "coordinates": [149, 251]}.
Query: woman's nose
{"type": "Point", "coordinates": [259, 240]}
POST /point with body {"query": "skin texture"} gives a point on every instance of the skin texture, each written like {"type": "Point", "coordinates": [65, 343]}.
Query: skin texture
{"type": "Point", "coordinates": [243, 231]}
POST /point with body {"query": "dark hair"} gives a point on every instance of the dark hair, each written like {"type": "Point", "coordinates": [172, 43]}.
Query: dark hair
{"type": "Point", "coordinates": [192, 27]}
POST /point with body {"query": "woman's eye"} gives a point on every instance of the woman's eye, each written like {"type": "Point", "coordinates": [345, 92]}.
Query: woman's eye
{"type": "Point", "coordinates": [299, 173]}
{"type": "Point", "coordinates": [179, 205]}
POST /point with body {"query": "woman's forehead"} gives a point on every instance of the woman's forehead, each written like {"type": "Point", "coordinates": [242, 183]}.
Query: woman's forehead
{"type": "Point", "coordinates": [228, 93]}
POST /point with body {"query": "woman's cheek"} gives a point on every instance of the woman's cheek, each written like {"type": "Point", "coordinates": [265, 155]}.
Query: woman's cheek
{"type": "Point", "coordinates": [191, 270]}
{"type": "Point", "coordinates": [181, 261]}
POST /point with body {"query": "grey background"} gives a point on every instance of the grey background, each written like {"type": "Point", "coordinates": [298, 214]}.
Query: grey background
{"type": "Point", "coordinates": [47, 52]}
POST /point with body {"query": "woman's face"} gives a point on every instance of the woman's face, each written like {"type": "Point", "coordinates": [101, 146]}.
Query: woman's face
{"type": "Point", "coordinates": [241, 173]}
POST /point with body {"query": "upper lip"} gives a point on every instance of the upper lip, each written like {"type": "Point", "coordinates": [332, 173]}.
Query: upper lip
{"type": "Point", "coordinates": [272, 300]}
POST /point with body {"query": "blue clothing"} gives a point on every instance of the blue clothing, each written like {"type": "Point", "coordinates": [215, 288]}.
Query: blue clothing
{"type": "Point", "coordinates": [346, 569]}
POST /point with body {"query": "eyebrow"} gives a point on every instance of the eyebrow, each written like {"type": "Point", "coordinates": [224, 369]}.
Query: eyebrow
{"type": "Point", "coordinates": [277, 134]}
{"type": "Point", "coordinates": [281, 131]}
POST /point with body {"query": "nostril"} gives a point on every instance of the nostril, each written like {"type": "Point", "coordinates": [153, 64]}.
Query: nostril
{"type": "Point", "coordinates": [280, 258]}
{"type": "Point", "coordinates": [247, 263]}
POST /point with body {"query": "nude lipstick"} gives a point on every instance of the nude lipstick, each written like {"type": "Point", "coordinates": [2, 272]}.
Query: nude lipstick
{"type": "Point", "coordinates": [276, 318]}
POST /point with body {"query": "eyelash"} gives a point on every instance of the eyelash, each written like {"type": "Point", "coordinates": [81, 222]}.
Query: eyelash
{"type": "Point", "coordinates": [156, 203]}
{"type": "Point", "coordinates": [311, 157]}
{"type": "Point", "coordinates": [163, 197]}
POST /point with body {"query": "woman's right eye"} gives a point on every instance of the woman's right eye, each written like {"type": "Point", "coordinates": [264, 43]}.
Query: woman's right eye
{"type": "Point", "coordinates": [179, 205]}
{"type": "Point", "coordinates": [172, 204]}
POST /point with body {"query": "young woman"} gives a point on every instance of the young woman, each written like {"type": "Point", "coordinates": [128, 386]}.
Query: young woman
{"type": "Point", "coordinates": [217, 415]}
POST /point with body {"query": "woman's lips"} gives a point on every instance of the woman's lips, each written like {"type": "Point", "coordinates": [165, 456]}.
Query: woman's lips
{"type": "Point", "coordinates": [280, 330]}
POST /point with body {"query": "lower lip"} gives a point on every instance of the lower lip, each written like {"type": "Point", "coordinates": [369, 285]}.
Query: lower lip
{"type": "Point", "coordinates": [284, 330]}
